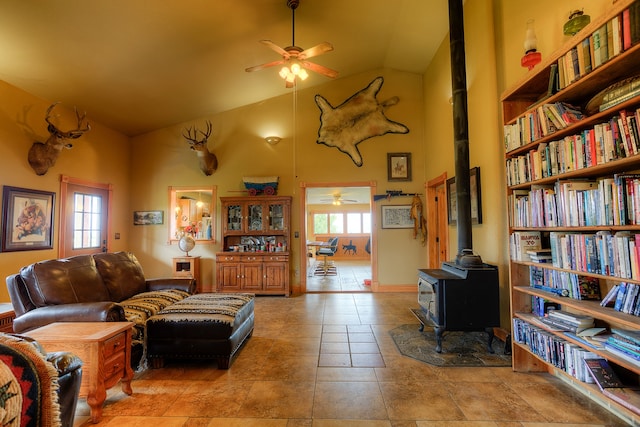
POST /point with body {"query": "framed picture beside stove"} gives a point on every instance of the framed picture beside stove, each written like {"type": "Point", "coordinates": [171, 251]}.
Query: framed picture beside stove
{"type": "Point", "coordinates": [476, 201]}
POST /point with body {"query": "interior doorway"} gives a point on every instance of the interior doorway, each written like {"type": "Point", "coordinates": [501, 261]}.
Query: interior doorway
{"type": "Point", "coordinates": [338, 240]}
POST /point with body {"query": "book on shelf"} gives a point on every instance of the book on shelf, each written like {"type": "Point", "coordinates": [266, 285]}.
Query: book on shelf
{"type": "Point", "coordinates": [629, 334]}
{"type": "Point", "coordinates": [523, 241]}
{"type": "Point", "coordinates": [581, 320]}
{"type": "Point", "coordinates": [589, 341]}
{"type": "Point", "coordinates": [629, 397]}
{"type": "Point", "coordinates": [602, 373]}
{"type": "Point", "coordinates": [609, 298]}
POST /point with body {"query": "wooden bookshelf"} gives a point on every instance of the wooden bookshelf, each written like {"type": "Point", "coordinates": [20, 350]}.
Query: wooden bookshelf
{"type": "Point", "coordinates": [523, 100]}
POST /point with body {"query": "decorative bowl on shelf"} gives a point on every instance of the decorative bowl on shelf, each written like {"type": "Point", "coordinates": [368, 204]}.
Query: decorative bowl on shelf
{"type": "Point", "coordinates": [186, 243]}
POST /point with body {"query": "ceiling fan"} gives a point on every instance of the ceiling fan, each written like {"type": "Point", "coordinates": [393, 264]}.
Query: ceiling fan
{"type": "Point", "coordinates": [337, 200]}
{"type": "Point", "coordinates": [294, 58]}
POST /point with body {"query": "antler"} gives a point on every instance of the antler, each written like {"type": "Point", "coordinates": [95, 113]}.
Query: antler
{"type": "Point", "coordinates": [71, 134]}
{"type": "Point", "coordinates": [194, 139]}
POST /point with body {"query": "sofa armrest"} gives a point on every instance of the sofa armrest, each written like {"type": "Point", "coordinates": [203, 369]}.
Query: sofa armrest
{"type": "Point", "coordinates": [64, 362]}
{"type": "Point", "coordinates": [102, 311]}
{"type": "Point", "coordinates": [187, 285]}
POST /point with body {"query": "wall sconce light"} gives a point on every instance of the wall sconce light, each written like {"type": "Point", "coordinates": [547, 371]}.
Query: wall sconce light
{"type": "Point", "coordinates": [531, 56]}
{"type": "Point", "coordinates": [273, 140]}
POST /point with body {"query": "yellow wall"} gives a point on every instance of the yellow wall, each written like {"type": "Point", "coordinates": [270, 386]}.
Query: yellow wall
{"type": "Point", "coordinates": [238, 142]}
{"type": "Point", "coordinates": [100, 155]}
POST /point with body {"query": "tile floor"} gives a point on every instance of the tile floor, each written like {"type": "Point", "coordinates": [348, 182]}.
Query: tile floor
{"type": "Point", "coordinates": [284, 377]}
{"type": "Point", "coordinates": [349, 277]}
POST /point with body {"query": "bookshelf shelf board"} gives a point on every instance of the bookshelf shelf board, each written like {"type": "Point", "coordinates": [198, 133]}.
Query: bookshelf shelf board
{"type": "Point", "coordinates": [594, 308]}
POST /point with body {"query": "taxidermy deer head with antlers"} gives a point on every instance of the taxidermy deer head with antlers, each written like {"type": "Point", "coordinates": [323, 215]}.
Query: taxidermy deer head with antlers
{"type": "Point", "coordinates": [208, 160]}
{"type": "Point", "coordinates": [43, 155]}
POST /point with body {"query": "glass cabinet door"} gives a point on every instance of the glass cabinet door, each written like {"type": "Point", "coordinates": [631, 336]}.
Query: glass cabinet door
{"type": "Point", "coordinates": [234, 217]}
{"type": "Point", "coordinates": [255, 217]}
{"type": "Point", "coordinates": [276, 217]}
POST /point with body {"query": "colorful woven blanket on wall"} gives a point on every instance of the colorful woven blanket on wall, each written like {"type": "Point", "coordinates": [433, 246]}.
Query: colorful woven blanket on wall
{"type": "Point", "coordinates": [218, 307]}
{"type": "Point", "coordinates": [28, 385]}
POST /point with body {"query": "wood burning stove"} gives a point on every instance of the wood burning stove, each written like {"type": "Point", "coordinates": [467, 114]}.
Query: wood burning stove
{"type": "Point", "coordinates": [457, 298]}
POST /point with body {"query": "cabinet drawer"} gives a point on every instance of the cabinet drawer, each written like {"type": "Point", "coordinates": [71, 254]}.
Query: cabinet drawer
{"type": "Point", "coordinates": [276, 258]}
{"type": "Point", "coordinates": [114, 368]}
{"type": "Point", "coordinates": [114, 344]}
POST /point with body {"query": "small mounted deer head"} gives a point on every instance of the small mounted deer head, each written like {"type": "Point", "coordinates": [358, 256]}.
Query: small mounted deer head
{"type": "Point", "coordinates": [43, 155]}
{"type": "Point", "coordinates": [208, 160]}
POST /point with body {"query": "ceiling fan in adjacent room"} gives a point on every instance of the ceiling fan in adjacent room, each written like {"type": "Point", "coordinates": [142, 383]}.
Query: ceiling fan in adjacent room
{"type": "Point", "coordinates": [337, 200]}
{"type": "Point", "coordinates": [294, 59]}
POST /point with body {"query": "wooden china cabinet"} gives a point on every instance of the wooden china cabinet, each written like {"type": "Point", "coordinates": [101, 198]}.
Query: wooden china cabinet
{"type": "Point", "coordinates": [256, 238]}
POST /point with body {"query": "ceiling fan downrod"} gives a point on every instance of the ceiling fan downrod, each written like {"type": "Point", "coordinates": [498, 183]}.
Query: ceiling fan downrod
{"type": "Point", "coordinates": [293, 5]}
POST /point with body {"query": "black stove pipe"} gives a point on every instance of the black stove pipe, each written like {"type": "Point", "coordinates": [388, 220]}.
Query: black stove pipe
{"type": "Point", "coordinates": [460, 132]}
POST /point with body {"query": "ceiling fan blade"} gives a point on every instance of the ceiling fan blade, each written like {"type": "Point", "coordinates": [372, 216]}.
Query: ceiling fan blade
{"type": "Point", "coordinates": [275, 47]}
{"type": "Point", "coordinates": [315, 51]}
{"type": "Point", "coordinates": [332, 74]}
{"type": "Point", "coordinates": [263, 66]}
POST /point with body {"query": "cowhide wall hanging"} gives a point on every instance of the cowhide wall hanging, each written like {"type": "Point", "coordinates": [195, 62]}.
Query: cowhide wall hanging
{"type": "Point", "coordinates": [358, 118]}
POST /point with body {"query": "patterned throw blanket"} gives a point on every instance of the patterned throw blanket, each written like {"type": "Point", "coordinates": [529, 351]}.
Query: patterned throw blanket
{"type": "Point", "coordinates": [224, 307]}
{"type": "Point", "coordinates": [142, 306]}
{"type": "Point", "coordinates": [28, 385]}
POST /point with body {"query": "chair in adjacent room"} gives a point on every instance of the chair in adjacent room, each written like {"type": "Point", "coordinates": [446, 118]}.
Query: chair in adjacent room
{"type": "Point", "coordinates": [40, 389]}
{"type": "Point", "coordinates": [327, 251]}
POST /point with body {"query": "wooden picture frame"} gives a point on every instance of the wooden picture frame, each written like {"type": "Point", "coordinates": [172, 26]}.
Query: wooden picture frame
{"type": "Point", "coordinates": [148, 217]}
{"type": "Point", "coordinates": [396, 216]}
{"type": "Point", "coordinates": [399, 166]}
{"type": "Point", "coordinates": [476, 200]}
{"type": "Point", "coordinates": [27, 219]}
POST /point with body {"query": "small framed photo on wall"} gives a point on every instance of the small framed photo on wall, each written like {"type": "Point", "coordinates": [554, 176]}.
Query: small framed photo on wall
{"type": "Point", "coordinates": [399, 166]}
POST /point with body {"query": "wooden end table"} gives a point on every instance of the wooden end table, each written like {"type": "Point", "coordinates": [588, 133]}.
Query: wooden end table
{"type": "Point", "coordinates": [103, 347]}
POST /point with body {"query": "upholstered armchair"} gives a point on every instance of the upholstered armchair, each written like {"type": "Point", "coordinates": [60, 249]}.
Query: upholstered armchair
{"type": "Point", "coordinates": [37, 388]}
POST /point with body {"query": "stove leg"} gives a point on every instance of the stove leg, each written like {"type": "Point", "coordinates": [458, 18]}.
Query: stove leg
{"type": "Point", "coordinates": [438, 330]}
{"type": "Point", "coordinates": [490, 340]}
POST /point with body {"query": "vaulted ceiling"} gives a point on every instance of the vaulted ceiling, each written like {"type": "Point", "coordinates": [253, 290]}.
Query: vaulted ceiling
{"type": "Point", "coordinates": [138, 65]}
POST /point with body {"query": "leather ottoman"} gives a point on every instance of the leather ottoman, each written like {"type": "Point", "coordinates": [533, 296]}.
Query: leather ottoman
{"type": "Point", "coordinates": [202, 326]}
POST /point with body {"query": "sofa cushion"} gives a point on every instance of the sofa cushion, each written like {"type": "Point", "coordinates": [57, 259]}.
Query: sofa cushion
{"type": "Point", "coordinates": [64, 281]}
{"type": "Point", "coordinates": [122, 274]}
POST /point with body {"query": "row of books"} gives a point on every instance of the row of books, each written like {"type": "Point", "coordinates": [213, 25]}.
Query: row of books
{"type": "Point", "coordinates": [565, 284]}
{"type": "Point", "coordinates": [578, 203]}
{"type": "Point", "coordinates": [623, 297]}
{"type": "Point", "coordinates": [579, 362]}
{"type": "Point", "coordinates": [612, 38]}
{"type": "Point", "coordinates": [624, 343]}
{"type": "Point", "coordinates": [616, 138]}
{"type": "Point", "coordinates": [544, 120]}
{"type": "Point", "coordinates": [599, 253]}
{"type": "Point", "coordinates": [553, 349]}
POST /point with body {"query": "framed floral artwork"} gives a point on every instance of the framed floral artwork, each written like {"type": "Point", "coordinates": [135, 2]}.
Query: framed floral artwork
{"type": "Point", "coordinates": [27, 219]}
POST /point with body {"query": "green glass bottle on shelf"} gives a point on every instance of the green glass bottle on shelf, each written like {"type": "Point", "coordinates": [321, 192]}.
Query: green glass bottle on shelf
{"type": "Point", "coordinates": [577, 21]}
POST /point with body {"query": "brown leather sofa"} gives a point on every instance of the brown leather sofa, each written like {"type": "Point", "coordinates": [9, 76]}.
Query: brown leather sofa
{"type": "Point", "coordinates": [105, 287]}
{"type": "Point", "coordinates": [33, 371]}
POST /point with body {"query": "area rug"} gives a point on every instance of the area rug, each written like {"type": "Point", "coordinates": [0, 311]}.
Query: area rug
{"type": "Point", "coordinates": [458, 348]}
